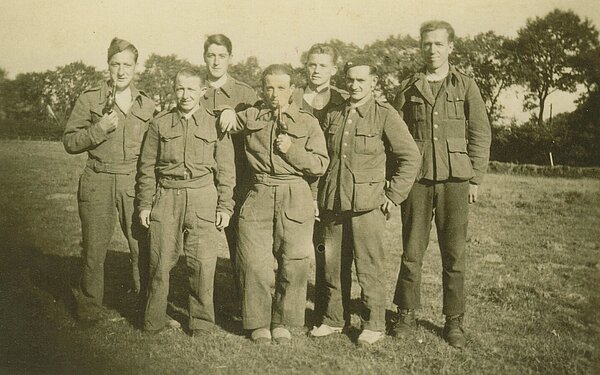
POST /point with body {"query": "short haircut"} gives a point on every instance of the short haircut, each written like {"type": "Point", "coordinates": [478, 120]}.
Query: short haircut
{"type": "Point", "coordinates": [220, 40]}
{"type": "Point", "coordinates": [323, 49]}
{"type": "Point", "coordinates": [277, 69]}
{"type": "Point", "coordinates": [188, 72]}
{"type": "Point", "coordinates": [437, 25]}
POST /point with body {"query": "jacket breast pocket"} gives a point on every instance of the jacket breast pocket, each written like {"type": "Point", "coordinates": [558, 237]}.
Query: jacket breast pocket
{"type": "Point", "coordinates": [415, 109]}
{"type": "Point", "coordinates": [171, 146]}
{"type": "Point", "coordinates": [204, 149]}
{"type": "Point", "coordinates": [368, 189]}
{"type": "Point", "coordinates": [460, 163]}
{"type": "Point", "coordinates": [455, 106]}
{"type": "Point", "coordinates": [368, 141]}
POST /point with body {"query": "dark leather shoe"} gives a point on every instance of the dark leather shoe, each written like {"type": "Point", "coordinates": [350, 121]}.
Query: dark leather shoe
{"type": "Point", "coordinates": [454, 333]}
{"type": "Point", "coordinates": [405, 325]}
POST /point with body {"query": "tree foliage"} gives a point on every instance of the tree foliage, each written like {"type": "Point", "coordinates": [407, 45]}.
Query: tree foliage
{"type": "Point", "coordinates": [548, 53]}
{"type": "Point", "coordinates": [487, 59]}
{"type": "Point", "coordinates": [157, 78]}
{"type": "Point", "coordinates": [62, 86]}
{"type": "Point", "coordinates": [248, 72]}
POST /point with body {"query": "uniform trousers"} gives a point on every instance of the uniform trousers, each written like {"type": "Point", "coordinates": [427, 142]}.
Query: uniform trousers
{"type": "Point", "coordinates": [275, 225]}
{"type": "Point", "coordinates": [102, 198]}
{"type": "Point", "coordinates": [347, 237]}
{"type": "Point", "coordinates": [182, 222]}
{"type": "Point", "coordinates": [448, 202]}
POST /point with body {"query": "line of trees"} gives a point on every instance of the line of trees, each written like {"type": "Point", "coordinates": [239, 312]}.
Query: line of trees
{"type": "Point", "coordinates": [557, 52]}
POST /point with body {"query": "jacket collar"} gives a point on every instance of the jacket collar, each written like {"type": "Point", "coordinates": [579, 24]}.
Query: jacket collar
{"type": "Point", "coordinates": [226, 88]}
{"type": "Point", "coordinates": [419, 80]}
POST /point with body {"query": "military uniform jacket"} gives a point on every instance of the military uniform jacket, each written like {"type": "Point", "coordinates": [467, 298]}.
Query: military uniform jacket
{"type": "Point", "coordinates": [356, 141]}
{"type": "Point", "coordinates": [452, 130]}
{"type": "Point", "coordinates": [186, 154]}
{"type": "Point", "coordinates": [114, 152]}
{"type": "Point", "coordinates": [307, 155]}
{"type": "Point", "coordinates": [239, 96]}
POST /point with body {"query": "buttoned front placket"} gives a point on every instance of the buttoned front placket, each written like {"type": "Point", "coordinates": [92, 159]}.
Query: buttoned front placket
{"type": "Point", "coordinates": [346, 150]}
{"type": "Point", "coordinates": [186, 170]}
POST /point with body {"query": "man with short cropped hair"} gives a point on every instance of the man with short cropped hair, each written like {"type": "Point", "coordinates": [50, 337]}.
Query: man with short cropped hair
{"type": "Point", "coordinates": [284, 146]}
{"type": "Point", "coordinates": [225, 90]}
{"type": "Point", "coordinates": [109, 123]}
{"type": "Point", "coordinates": [186, 183]}
{"type": "Point", "coordinates": [447, 117]}
{"type": "Point", "coordinates": [355, 200]}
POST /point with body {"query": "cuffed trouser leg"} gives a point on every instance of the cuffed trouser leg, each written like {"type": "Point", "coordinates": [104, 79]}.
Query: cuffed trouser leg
{"type": "Point", "coordinates": [451, 219]}
{"type": "Point", "coordinates": [166, 222]}
{"type": "Point", "coordinates": [98, 215]}
{"type": "Point", "coordinates": [336, 265]}
{"type": "Point", "coordinates": [417, 213]}
{"type": "Point", "coordinates": [367, 234]}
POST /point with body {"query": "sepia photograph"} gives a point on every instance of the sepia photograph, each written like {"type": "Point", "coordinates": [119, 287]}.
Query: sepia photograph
{"type": "Point", "coordinates": [300, 187]}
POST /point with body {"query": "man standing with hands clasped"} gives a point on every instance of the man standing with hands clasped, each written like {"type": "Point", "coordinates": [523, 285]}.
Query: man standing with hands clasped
{"type": "Point", "coordinates": [354, 200]}
{"type": "Point", "coordinates": [109, 122]}
{"type": "Point", "coordinates": [186, 183]}
{"type": "Point", "coordinates": [446, 115]}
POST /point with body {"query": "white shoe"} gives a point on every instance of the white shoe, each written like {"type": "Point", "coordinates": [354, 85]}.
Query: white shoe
{"type": "Point", "coordinates": [368, 337]}
{"type": "Point", "coordinates": [172, 323]}
{"type": "Point", "coordinates": [324, 330]}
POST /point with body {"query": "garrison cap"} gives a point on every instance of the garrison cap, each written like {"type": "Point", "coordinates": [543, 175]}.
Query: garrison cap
{"type": "Point", "coordinates": [361, 60]}
{"type": "Point", "coordinates": [119, 45]}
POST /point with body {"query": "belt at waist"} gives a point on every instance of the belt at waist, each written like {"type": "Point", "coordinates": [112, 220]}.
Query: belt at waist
{"type": "Point", "coordinates": [267, 179]}
{"type": "Point", "coordinates": [190, 183]}
{"type": "Point", "coordinates": [114, 167]}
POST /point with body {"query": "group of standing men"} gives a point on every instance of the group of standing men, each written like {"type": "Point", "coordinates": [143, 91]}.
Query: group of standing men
{"type": "Point", "coordinates": [263, 171]}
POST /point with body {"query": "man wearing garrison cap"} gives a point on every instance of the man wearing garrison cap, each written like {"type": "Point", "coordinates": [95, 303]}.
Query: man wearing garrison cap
{"type": "Point", "coordinates": [108, 122]}
{"type": "Point", "coordinates": [354, 199]}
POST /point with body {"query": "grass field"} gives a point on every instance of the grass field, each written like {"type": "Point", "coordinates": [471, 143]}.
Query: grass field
{"type": "Point", "coordinates": [533, 290]}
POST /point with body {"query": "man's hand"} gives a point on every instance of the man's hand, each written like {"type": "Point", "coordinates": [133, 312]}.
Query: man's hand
{"type": "Point", "coordinates": [227, 120]}
{"type": "Point", "coordinates": [473, 193]}
{"type": "Point", "coordinates": [108, 123]}
{"type": "Point", "coordinates": [222, 220]}
{"type": "Point", "coordinates": [145, 218]}
{"type": "Point", "coordinates": [387, 207]}
{"type": "Point", "coordinates": [316, 210]}
{"type": "Point", "coordinates": [283, 143]}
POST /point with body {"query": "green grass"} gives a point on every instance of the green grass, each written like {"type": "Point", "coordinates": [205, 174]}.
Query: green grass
{"type": "Point", "coordinates": [533, 295]}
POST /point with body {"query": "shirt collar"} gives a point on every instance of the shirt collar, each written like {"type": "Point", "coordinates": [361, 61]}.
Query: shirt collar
{"type": "Point", "coordinates": [218, 83]}
{"type": "Point", "coordinates": [363, 108]}
{"type": "Point", "coordinates": [190, 114]}
{"type": "Point", "coordinates": [105, 90]}
{"type": "Point", "coordinates": [292, 112]}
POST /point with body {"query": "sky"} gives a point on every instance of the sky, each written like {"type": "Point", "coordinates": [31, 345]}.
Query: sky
{"type": "Point", "coordinates": [40, 35]}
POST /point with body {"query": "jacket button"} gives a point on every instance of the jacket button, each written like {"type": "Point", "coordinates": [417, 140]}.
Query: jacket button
{"type": "Point", "coordinates": [349, 121]}
{"type": "Point", "coordinates": [435, 113]}
{"type": "Point", "coordinates": [435, 126]}
{"type": "Point", "coordinates": [435, 138]}
{"type": "Point", "coordinates": [344, 156]}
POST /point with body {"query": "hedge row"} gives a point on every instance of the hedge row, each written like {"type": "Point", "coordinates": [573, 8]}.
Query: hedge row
{"type": "Point", "coordinates": [543, 170]}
